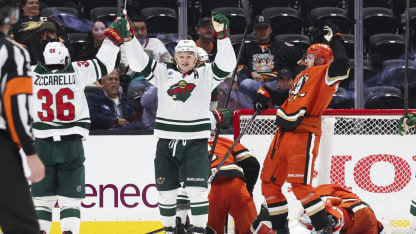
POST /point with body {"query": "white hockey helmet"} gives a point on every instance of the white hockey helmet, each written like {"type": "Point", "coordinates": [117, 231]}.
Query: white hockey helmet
{"type": "Point", "coordinates": [186, 46]}
{"type": "Point", "coordinates": [202, 55]}
{"type": "Point", "coordinates": [56, 53]}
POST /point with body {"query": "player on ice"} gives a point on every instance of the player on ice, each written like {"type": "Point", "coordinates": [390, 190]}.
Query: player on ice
{"type": "Point", "coordinates": [61, 120]}
{"type": "Point", "coordinates": [182, 120]}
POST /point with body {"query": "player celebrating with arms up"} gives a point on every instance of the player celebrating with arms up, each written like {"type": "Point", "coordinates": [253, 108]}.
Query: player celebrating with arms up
{"type": "Point", "coordinates": [182, 120]}
{"type": "Point", "coordinates": [61, 120]}
{"type": "Point", "coordinates": [293, 151]}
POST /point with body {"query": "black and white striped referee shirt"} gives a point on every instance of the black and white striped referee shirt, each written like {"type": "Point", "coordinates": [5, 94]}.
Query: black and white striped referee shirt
{"type": "Point", "coordinates": [16, 94]}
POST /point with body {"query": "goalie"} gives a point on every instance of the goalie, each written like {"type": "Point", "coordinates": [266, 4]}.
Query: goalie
{"type": "Point", "coordinates": [295, 146]}
{"type": "Point", "coordinates": [348, 214]}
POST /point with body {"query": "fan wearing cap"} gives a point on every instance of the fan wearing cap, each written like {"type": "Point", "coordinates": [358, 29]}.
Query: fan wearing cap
{"type": "Point", "coordinates": [61, 119]}
{"type": "Point", "coordinates": [262, 59]}
{"type": "Point", "coordinates": [182, 119]}
{"type": "Point", "coordinates": [295, 146]}
{"type": "Point", "coordinates": [206, 37]}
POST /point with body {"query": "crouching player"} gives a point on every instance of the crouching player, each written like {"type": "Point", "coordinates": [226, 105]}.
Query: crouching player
{"type": "Point", "coordinates": [348, 213]}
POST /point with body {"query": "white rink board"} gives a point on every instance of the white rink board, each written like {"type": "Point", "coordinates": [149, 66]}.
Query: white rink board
{"type": "Point", "coordinates": [125, 164]}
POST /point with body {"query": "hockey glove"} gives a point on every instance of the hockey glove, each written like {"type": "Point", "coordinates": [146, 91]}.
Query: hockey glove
{"type": "Point", "coordinates": [117, 31]}
{"type": "Point", "coordinates": [405, 124]}
{"type": "Point", "coordinates": [331, 30]}
{"type": "Point", "coordinates": [261, 102]}
{"type": "Point", "coordinates": [223, 117]}
{"type": "Point", "coordinates": [221, 25]}
{"type": "Point", "coordinates": [129, 25]}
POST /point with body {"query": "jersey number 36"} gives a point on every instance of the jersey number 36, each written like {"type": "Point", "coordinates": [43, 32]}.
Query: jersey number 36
{"type": "Point", "coordinates": [65, 111]}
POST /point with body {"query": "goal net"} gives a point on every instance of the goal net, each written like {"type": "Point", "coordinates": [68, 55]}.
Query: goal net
{"type": "Point", "coordinates": [360, 150]}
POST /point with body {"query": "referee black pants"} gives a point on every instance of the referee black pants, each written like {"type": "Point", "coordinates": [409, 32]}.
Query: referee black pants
{"type": "Point", "coordinates": [17, 213]}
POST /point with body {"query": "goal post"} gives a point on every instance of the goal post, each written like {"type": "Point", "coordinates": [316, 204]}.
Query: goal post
{"type": "Point", "coordinates": [359, 149]}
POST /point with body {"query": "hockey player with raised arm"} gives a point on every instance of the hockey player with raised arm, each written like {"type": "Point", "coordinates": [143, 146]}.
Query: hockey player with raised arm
{"type": "Point", "coordinates": [182, 120]}
{"type": "Point", "coordinates": [61, 120]}
{"type": "Point", "coordinates": [294, 148]}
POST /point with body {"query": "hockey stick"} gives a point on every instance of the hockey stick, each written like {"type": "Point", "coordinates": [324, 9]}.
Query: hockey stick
{"type": "Point", "coordinates": [216, 169]}
{"type": "Point", "coordinates": [240, 50]}
{"type": "Point", "coordinates": [406, 59]}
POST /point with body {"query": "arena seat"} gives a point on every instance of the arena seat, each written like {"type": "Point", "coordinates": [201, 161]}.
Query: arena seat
{"type": "Point", "coordinates": [341, 100]}
{"type": "Point", "coordinates": [237, 38]}
{"type": "Point", "coordinates": [378, 20]}
{"type": "Point", "coordinates": [160, 19]}
{"type": "Point", "coordinates": [300, 40]}
{"type": "Point", "coordinates": [284, 20]}
{"type": "Point", "coordinates": [338, 16]}
{"type": "Point", "coordinates": [385, 46]}
{"type": "Point", "coordinates": [392, 73]}
{"type": "Point", "coordinates": [105, 14]}
{"type": "Point", "coordinates": [370, 76]}
{"type": "Point", "coordinates": [237, 17]}
{"type": "Point", "coordinates": [54, 11]}
{"type": "Point", "coordinates": [398, 6]}
{"type": "Point", "coordinates": [258, 6]}
{"type": "Point", "coordinates": [383, 97]}
{"type": "Point", "coordinates": [209, 5]}
{"type": "Point", "coordinates": [77, 40]}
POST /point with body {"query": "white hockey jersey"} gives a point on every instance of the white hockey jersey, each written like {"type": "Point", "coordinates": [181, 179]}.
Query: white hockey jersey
{"type": "Point", "coordinates": [60, 106]}
{"type": "Point", "coordinates": [183, 98]}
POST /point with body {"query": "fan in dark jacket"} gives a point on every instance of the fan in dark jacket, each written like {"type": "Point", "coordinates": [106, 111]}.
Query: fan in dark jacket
{"type": "Point", "coordinates": [111, 110]}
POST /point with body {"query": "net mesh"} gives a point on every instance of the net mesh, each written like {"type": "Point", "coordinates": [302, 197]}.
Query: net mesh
{"type": "Point", "coordinates": [363, 152]}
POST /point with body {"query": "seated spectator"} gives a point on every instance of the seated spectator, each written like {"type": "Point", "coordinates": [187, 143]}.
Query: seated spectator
{"type": "Point", "coordinates": [111, 110]}
{"type": "Point", "coordinates": [205, 38]}
{"type": "Point", "coordinates": [261, 60]}
{"type": "Point", "coordinates": [28, 29]}
{"type": "Point", "coordinates": [94, 40]}
{"type": "Point", "coordinates": [157, 51]}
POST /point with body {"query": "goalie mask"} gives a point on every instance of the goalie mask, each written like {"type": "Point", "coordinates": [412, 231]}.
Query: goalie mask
{"type": "Point", "coordinates": [56, 56]}
{"type": "Point", "coordinates": [321, 51]}
{"type": "Point", "coordinates": [9, 12]}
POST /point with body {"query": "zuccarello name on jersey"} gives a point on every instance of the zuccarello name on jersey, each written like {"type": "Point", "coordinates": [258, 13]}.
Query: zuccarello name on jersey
{"type": "Point", "coordinates": [61, 79]}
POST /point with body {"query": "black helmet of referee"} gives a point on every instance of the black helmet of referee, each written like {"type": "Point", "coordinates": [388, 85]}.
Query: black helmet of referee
{"type": "Point", "coordinates": [9, 11]}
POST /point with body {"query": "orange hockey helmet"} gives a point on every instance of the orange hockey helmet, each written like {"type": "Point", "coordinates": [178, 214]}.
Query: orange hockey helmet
{"type": "Point", "coordinates": [321, 51]}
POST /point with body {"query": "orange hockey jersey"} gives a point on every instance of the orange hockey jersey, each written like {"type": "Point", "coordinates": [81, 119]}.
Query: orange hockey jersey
{"type": "Point", "coordinates": [308, 98]}
{"type": "Point", "coordinates": [238, 154]}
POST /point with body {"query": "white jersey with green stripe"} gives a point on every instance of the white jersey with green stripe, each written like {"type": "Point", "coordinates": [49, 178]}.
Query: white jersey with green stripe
{"type": "Point", "coordinates": [60, 106]}
{"type": "Point", "coordinates": [183, 98]}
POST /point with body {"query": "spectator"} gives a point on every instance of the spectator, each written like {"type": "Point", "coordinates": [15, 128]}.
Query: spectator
{"type": "Point", "coordinates": [157, 51]}
{"type": "Point", "coordinates": [94, 41]}
{"type": "Point", "coordinates": [206, 37]}
{"type": "Point", "coordinates": [27, 30]}
{"type": "Point", "coordinates": [111, 110]}
{"type": "Point", "coordinates": [261, 60]}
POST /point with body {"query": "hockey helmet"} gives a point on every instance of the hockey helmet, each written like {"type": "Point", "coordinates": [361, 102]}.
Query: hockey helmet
{"type": "Point", "coordinates": [186, 46]}
{"type": "Point", "coordinates": [9, 11]}
{"type": "Point", "coordinates": [202, 55]}
{"type": "Point", "coordinates": [56, 53]}
{"type": "Point", "coordinates": [321, 51]}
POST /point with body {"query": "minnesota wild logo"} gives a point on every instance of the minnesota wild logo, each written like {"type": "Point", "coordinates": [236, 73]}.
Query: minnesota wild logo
{"type": "Point", "coordinates": [181, 91]}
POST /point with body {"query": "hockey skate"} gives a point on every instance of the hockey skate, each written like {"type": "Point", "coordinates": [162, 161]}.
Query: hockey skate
{"type": "Point", "coordinates": [170, 230]}
{"type": "Point", "coordinates": [196, 230]}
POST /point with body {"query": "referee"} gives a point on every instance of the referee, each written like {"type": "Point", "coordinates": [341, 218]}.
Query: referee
{"type": "Point", "coordinates": [17, 214]}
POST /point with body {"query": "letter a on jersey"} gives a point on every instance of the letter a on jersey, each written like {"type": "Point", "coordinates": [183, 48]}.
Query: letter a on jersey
{"type": "Point", "coordinates": [181, 91]}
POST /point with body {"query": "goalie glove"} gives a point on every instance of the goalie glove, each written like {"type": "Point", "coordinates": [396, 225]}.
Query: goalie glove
{"type": "Point", "coordinates": [117, 31]}
{"type": "Point", "coordinates": [405, 124]}
{"type": "Point", "coordinates": [261, 101]}
{"type": "Point", "coordinates": [221, 26]}
{"type": "Point", "coordinates": [223, 117]}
